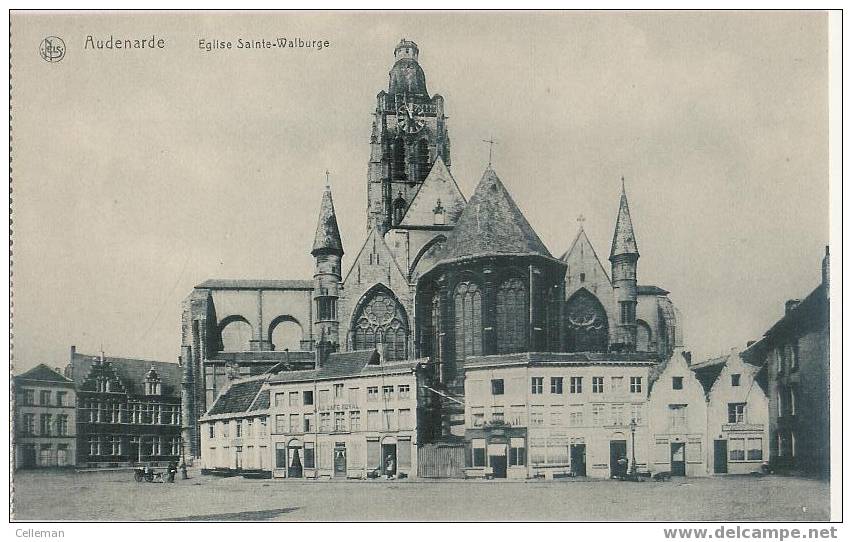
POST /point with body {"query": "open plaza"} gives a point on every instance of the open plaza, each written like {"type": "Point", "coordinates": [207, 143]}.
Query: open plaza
{"type": "Point", "coordinates": [114, 496]}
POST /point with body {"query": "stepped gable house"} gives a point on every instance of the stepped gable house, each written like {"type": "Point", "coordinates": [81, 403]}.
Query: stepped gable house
{"type": "Point", "coordinates": [128, 410]}
{"type": "Point", "coordinates": [437, 276]}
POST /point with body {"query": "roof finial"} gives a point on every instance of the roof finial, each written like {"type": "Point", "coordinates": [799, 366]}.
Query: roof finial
{"type": "Point", "coordinates": [491, 143]}
{"type": "Point", "coordinates": [580, 219]}
{"type": "Point", "coordinates": [327, 181]}
{"type": "Point", "coordinates": [622, 183]}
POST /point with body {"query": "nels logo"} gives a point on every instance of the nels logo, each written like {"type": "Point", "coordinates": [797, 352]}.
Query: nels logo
{"type": "Point", "coordinates": [52, 49]}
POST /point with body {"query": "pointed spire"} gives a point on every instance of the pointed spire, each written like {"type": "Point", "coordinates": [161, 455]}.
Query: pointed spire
{"type": "Point", "coordinates": [327, 238]}
{"type": "Point", "coordinates": [623, 240]}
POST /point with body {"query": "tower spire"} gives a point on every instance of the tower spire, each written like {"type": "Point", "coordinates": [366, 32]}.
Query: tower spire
{"type": "Point", "coordinates": [327, 238]}
{"type": "Point", "coordinates": [623, 239]}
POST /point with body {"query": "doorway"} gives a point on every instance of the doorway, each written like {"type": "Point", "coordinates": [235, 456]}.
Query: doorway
{"type": "Point", "coordinates": [389, 459]}
{"type": "Point", "coordinates": [497, 460]}
{"type": "Point", "coordinates": [617, 458]}
{"type": "Point", "coordinates": [340, 460]}
{"type": "Point", "coordinates": [678, 459]}
{"type": "Point", "coordinates": [294, 462]}
{"type": "Point", "coordinates": [578, 459]}
{"type": "Point", "coordinates": [720, 456]}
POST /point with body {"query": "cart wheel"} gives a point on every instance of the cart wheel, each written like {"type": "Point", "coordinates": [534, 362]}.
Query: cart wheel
{"type": "Point", "coordinates": [137, 476]}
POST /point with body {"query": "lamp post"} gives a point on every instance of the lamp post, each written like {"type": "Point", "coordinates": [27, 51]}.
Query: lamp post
{"type": "Point", "coordinates": [633, 446]}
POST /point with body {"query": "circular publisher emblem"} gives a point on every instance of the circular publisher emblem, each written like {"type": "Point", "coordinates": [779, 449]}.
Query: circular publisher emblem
{"type": "Point", "coordinates": [52, 49]}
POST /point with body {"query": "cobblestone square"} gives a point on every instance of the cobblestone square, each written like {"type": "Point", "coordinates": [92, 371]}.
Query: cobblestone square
{"type": "Point", "coordinates": [114, 496]}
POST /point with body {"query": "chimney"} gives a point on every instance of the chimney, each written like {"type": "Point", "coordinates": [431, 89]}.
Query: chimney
{"type": "Point", "coordinates": [749, 343]}
{"type": "Point", "coordinates": [73, 351]}
{"type": "Point", "coordinates": [790, 305]}
{"type": "Point", "coordinates": [826, 267]}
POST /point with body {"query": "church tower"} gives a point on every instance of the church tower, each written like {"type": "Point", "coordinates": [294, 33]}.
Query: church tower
{"type": "Point", "coordinates": [409, 133]}
{"type": "Point", "coordinates": [623, 256]}
{"type": "Point", "coordinates": [327, 252]}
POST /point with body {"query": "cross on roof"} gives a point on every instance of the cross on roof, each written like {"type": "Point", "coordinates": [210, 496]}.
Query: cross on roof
{"type": "Point", "coordinates": [581, 219]}
{"type": "Point", "coordinates": [491, 144]}
{"type": "Point", "coordinates": [327, 182]}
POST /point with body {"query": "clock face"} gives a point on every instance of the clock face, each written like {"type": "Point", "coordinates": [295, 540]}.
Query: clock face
{"type": "Point", "coordinates": [410, 118]}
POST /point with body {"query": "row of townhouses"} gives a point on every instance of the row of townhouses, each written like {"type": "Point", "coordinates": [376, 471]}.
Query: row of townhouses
{"type": "Point", "coordinates": [526, 415]}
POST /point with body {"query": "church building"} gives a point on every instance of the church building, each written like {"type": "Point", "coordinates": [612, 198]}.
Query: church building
{"type": "Point", "coordinates": [438, 277]}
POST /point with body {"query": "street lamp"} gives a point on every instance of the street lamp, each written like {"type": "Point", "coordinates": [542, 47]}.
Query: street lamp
{"type": "Point", "coordinates": [633, 446]}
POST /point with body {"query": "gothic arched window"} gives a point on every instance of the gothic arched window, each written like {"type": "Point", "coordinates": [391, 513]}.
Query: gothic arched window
{"type": "Point", "coordinates": [586, 323]}
{"type": "Point", "coordinates": [398, 162]}
{"type": "Point", "coordinates": [398, 209]}
{"type": "Point", "coordinates": [467, 301]}
{"type": "Point", "coordinates": [643, 337]}
{"type": "Point", "coordinates": [382, 320]}
{"type": "Point", "coordinates": [512, 316]}
{"type": "Point", "coordinates": [422, 159]}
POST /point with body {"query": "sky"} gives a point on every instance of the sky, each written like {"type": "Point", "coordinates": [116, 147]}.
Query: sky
{"type": "Point", "coordinates": [137, 174]}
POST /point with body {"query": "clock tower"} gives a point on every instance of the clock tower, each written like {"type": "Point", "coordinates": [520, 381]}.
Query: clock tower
{"type": "Point", "coordinates": [409, 134]}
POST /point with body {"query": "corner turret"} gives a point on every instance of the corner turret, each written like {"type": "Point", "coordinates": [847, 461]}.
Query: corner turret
{"type": "Point", "coordinates": [624, 256]}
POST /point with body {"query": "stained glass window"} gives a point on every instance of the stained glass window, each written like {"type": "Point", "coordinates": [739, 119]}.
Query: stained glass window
{"type": "Point", "coordinates": [468, 320]}
{"type": "Point", "coordinates": [586, 322]}
{"type": "Point", "coordinates": [512, 316]}
{"type": "Point", "coordinates": [382, 320]}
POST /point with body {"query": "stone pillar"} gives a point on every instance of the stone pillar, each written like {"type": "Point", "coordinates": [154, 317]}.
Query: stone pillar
{"type": "Point", "coordinates": [489, 311]}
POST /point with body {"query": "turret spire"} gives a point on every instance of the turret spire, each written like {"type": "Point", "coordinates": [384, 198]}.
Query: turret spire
{"type": "Point", "coordinates": [623, 240]}
{"type": "Point", "coordinates": [327, 238]}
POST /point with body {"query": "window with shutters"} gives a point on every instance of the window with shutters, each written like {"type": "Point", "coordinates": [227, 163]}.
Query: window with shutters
{"type": "Point", "coordinates": [512, 316]}
{"type": "Point", "coordinates": [467, 301]}
{"type": "Point", "coordinates": [382, 320]}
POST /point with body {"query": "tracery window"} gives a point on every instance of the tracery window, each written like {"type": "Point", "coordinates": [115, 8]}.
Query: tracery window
{"type": "Point", "coordinates": [467, 300]}
{"type": "Point", "coordinates": [382, 320]}
{"type": "Point", "coordinates": [586, 323]}
{"type": "Point", "coordinates": [512, 316]}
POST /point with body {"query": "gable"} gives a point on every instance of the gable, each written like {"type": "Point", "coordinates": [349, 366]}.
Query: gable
{"type": "Point", "coordinates": [438, 189]}
{"type": "Point", "coordinates": [584, 268]}
{"type": "Point", "coordinates": [375, 262]}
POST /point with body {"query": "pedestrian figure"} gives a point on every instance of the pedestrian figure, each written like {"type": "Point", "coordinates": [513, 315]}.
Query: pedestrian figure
{"type": "Point", "coordinates": [172, 470]}
{"type": "Point", "coordinates": [389, 467]}
{"type": "Point", "coordinates": [622, 467]}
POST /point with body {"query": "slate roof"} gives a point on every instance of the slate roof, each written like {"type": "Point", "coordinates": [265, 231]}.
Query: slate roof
{"type": "Point", "coordinates": [492, 224]}
{"type": "Point", "coordinates": [650, 290]}
{"type": "Point", "coordinates": [238, 397]}
{"type": "Point", "coordinates": [253, 284]}
{"type": "Point", "coordinates": [261, 402]}
{"type": "Point", "coordinates": [346, 364]}
{"type": "Point", "coordinates": [43, 373]}
{"type": "Point", "coordinates": [131, 372]}
{"type": "Point", "coordinates": [572, 358]}
{"type": "Point", "coordinates": [327, 237]}
{"type": "Point", "coordinates": [623, 239]}
{"type": "Point", "coordinates": [439, 186]}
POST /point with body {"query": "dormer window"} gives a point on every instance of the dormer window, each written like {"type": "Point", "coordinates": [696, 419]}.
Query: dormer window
{"type": "Point", "coordinates": [152, 383]}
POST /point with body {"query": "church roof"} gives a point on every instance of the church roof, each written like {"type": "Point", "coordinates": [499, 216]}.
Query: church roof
{"type": "Point", "coordinates": [256, 284]}
{"type": "Point", "coordinates": [624, 239]}
{"type": "Point", "coordinates": [439, 188]}
{"type": "Point", "coordinates": [492, 224]}
{"type": "Point", "coordinates": [327, 237]}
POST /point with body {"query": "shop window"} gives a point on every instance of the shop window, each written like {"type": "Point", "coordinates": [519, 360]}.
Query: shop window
{"type": "Point", "coordinates": [755, 449]}
{"type": "Point", "coordinates": [736, 449]}
{"type": "Point", "coordinates": [309, 461]}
